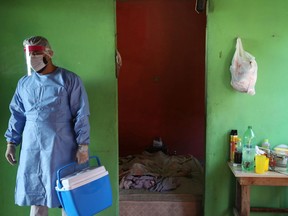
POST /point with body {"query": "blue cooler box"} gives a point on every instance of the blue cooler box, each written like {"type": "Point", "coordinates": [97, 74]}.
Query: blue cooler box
{"type": "Point", "coordinates": [84, 193]}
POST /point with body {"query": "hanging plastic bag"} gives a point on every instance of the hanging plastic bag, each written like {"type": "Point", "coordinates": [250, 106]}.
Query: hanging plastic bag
{"type": "Point", "coordinates": [243, 70]}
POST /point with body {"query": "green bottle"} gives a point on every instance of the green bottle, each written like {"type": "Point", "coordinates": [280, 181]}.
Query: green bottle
{"type": "Point", "coordinates": [248, 151]}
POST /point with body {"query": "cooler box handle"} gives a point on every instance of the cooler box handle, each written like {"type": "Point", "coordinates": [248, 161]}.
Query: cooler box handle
{"type": "Point", "coordinates": [71, 164]}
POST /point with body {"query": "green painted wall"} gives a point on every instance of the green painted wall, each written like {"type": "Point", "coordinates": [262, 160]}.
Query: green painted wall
{"type": "Point", "coordinates": [262, 25]}
{"type": "Point", "coordinates": [82, 34]}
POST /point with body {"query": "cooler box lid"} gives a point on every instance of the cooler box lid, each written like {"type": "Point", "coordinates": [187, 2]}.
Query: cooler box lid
{"type": "Point", "coordinates": [82, 177]}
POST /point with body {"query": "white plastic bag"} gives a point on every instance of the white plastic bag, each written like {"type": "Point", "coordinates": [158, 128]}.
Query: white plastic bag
{"type": "Point", "coordinates": [243, 70]}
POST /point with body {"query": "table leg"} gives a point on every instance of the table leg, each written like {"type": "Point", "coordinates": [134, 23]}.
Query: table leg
{"type": "Point", "coordinates": [238, 196]}
{"type": "Point", "coordinates": [245, 200]}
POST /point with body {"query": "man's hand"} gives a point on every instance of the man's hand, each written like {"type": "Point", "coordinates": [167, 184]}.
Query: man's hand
{"type": "Point", "coordinates": [82, 155]}
{"type": "Point", "coordinates": [11, 153]}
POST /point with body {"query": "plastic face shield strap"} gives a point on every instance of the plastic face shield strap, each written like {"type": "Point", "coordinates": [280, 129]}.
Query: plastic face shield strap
{"type": "Point", "coordinates": [29, 49]}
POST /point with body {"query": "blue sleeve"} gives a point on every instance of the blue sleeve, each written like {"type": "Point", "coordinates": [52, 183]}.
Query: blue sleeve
{"type": "Point", "coordinates": [17, 119]}
{"type": "Point", "coordinates": [79, 107]}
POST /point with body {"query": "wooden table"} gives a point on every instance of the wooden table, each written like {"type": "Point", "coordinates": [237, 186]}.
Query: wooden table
{"type": "Point", "coordinates": [245, 179]}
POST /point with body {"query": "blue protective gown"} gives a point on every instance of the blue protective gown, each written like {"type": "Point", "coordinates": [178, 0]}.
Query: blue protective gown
{"type": "Point", "coordinates": [49, 118]}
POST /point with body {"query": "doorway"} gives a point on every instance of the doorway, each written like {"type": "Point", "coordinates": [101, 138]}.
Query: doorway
{"type": "Point", "coordinates": [161, 85]}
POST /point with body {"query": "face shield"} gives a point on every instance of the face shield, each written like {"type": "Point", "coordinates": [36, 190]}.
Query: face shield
{"type": "Point", "coordinates": [35, 58]}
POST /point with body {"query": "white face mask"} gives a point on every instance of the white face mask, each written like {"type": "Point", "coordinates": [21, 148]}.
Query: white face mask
{"type": "Point", "coordinates": [37, 62]}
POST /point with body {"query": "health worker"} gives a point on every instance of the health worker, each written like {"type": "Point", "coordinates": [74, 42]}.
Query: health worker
{"type": "Point", "coordinates": [49, 125]}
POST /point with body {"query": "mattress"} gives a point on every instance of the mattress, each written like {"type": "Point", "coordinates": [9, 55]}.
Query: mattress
{"type": "Point", "coordinates": [160, 208]}
{"type": "Point", "coordinates": [184, 200]}
{"type": "Point", "coordinates": [190, 189]}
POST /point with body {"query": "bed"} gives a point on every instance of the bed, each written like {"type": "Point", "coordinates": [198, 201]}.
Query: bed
{"type": "Point", "coordinates": [155, 184]}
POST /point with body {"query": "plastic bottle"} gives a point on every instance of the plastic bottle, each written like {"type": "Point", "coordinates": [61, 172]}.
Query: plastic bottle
{"type": "Point", "coordinates": [248, 151]}
{"type": "Point", "coordinates": [266, 144]}
{"type": "Point", "coordinates": [233, 140]}
{"type": "Point", "coordinates": [238, 152]}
